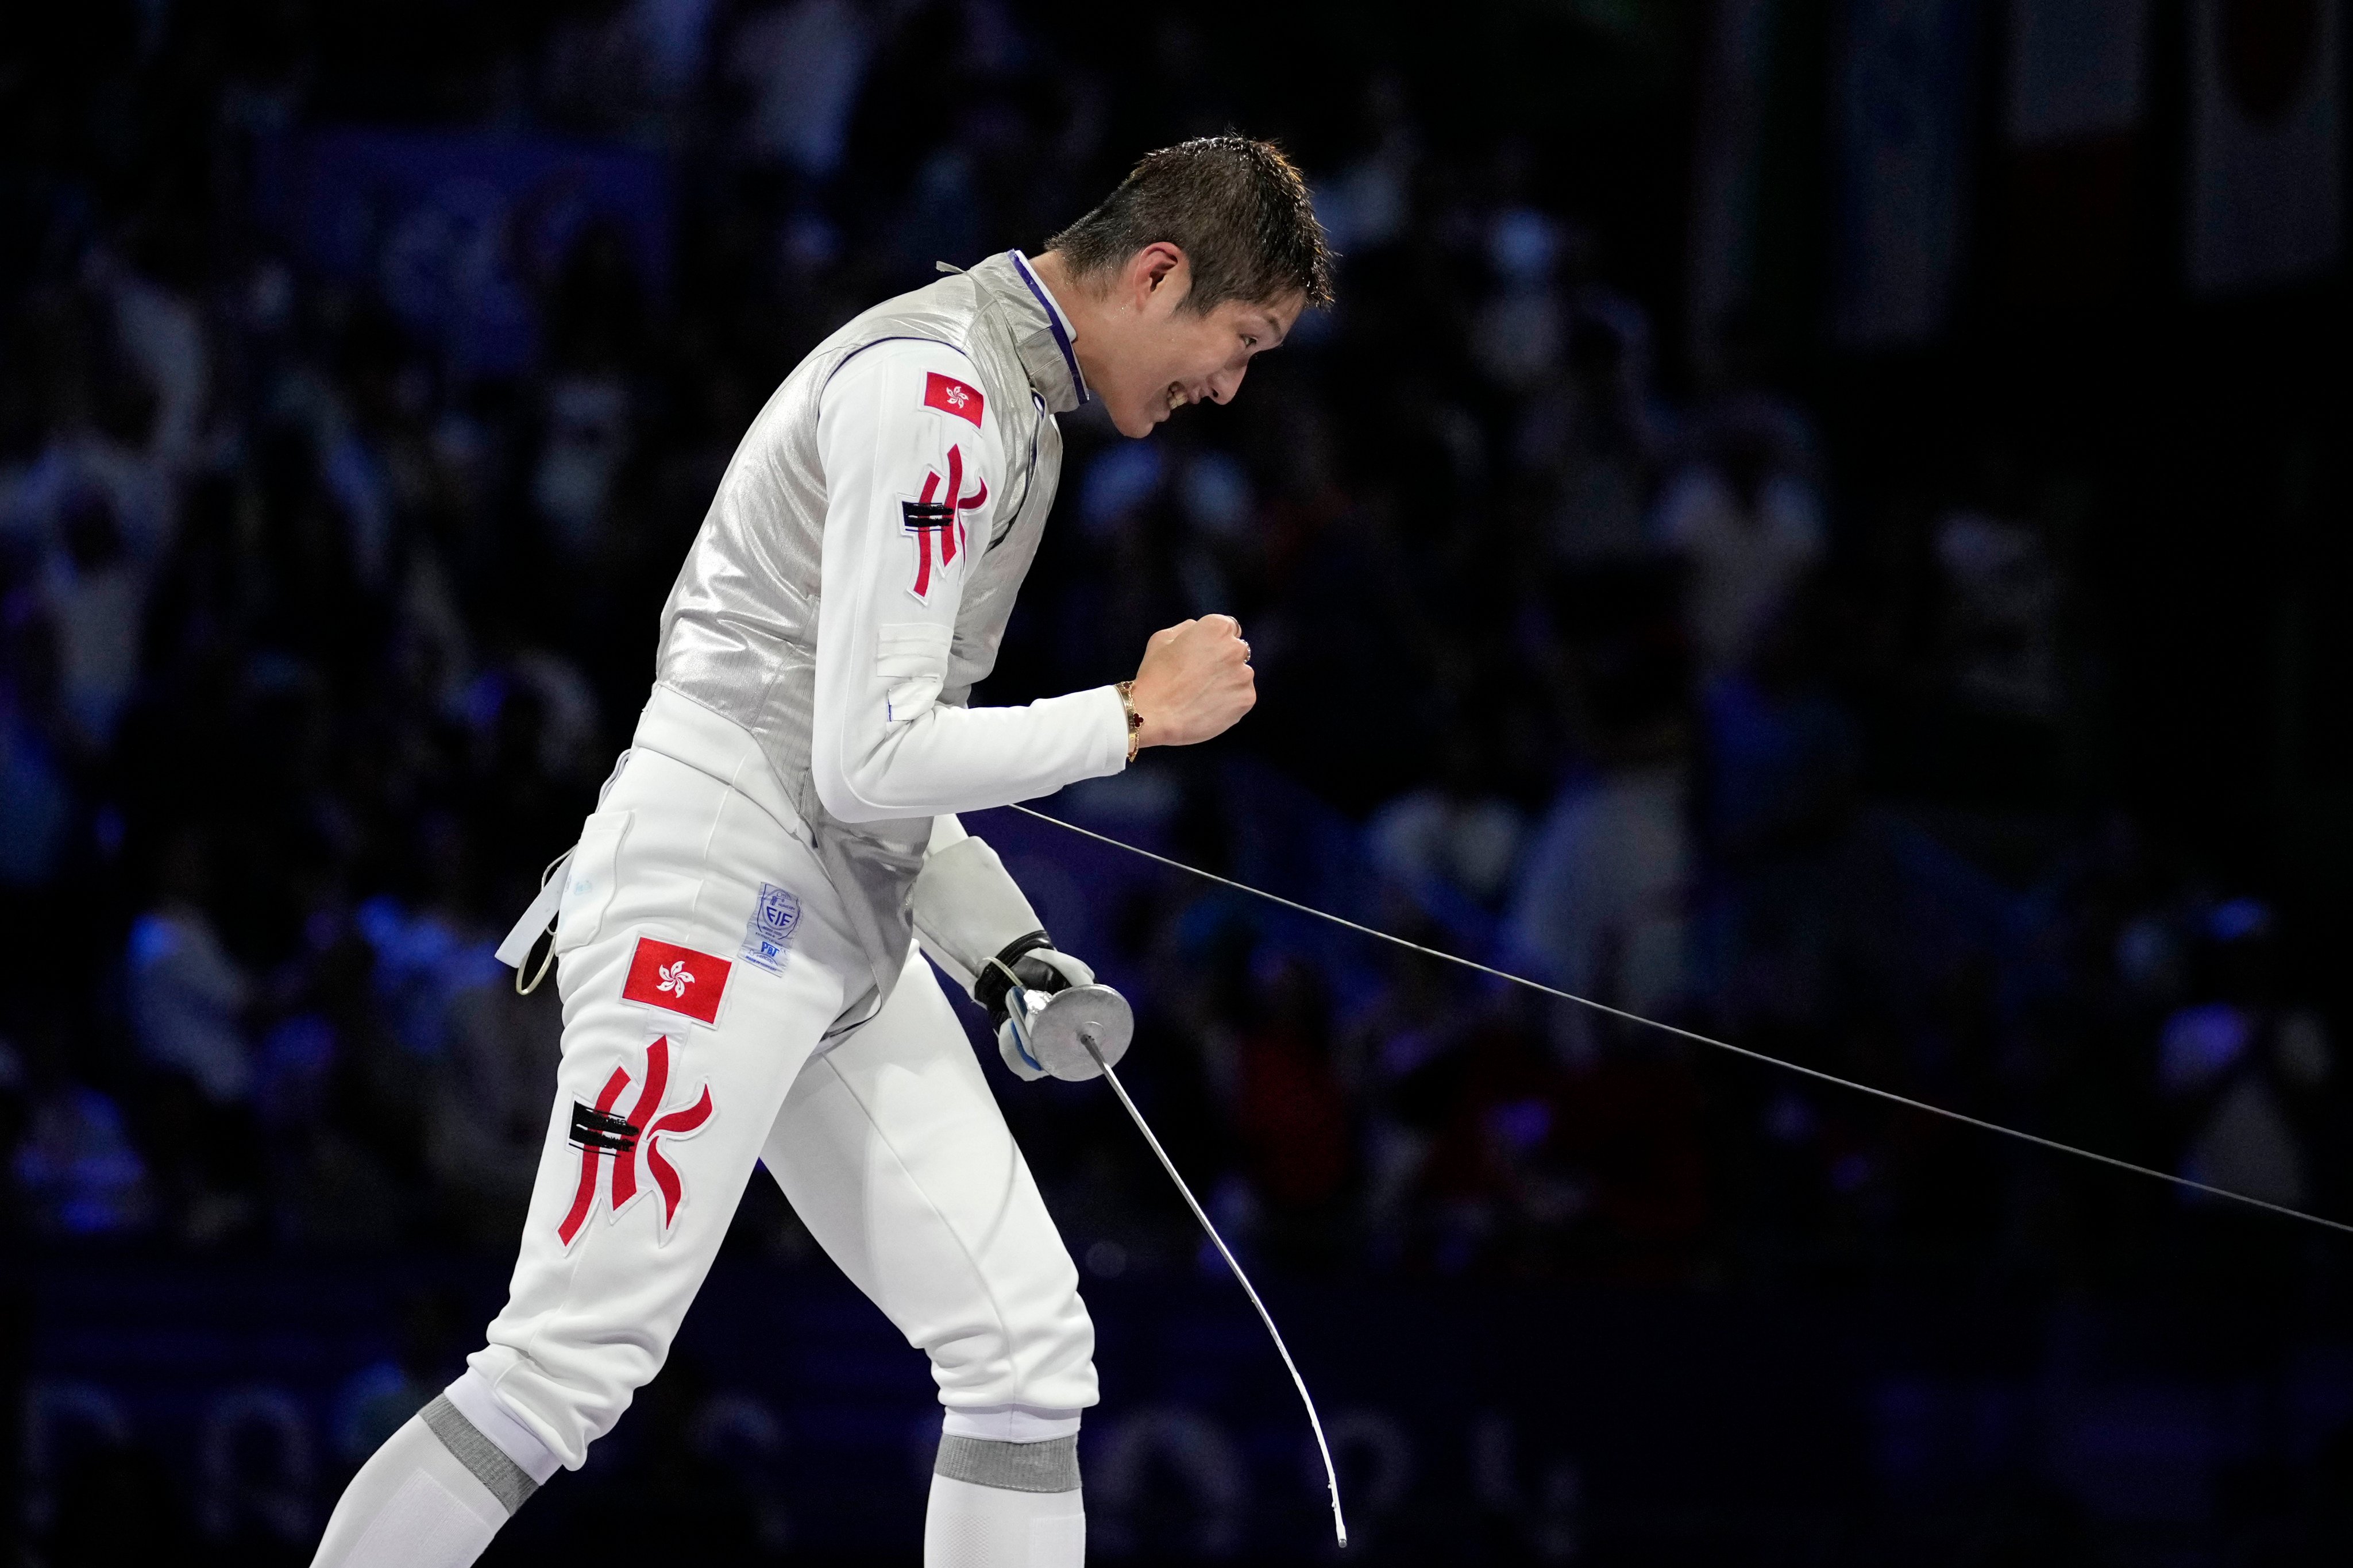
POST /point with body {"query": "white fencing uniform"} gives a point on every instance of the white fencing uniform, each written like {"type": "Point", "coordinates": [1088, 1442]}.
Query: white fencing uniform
{"type": "Point", "coordinates": [886, 1140]}
{"type": "Point", "coordinates": [735, 957]}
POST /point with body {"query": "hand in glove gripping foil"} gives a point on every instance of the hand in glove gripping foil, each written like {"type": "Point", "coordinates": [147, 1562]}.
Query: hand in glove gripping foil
{"type": "Point", "coordinates": [1013, 989]}
{"type": "Point", "coordinates": [974, 922]}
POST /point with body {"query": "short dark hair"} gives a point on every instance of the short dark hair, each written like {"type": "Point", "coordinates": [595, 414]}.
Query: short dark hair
{"type": "Point", "coordinates": [1236, 206]}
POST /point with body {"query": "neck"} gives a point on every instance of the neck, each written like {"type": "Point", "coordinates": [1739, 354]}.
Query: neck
{"type": "Point", "coordinates": [1078, 303]}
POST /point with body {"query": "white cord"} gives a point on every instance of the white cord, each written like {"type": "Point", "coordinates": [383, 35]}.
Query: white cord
{"type": "Point", "coordinates": [2053, 1144]}
{"type": "Point", "coordinates": [1331, 1475]}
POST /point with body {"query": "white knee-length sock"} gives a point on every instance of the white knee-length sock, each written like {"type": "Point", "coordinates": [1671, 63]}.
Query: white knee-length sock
{"type": "Point", "coordinates": [437, 1490]}
{"type": "Point", "coordinates": [1005, 1505]}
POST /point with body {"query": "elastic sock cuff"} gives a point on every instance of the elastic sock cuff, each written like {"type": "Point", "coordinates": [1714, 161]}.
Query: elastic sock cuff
{"type": "Point", "coordinates": [500, 1476]}
{"type": "Point", "coordinates": [479, 1403]}
{"type": "Point", "coordinates": [1048, 1466]}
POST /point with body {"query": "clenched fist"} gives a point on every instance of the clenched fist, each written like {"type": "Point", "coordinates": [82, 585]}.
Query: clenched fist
{"type": "Point", "coordinates": [1195, 681]}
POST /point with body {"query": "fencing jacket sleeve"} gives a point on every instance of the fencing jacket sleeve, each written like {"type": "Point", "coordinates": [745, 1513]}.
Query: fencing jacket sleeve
{"type": "Point", "coordinates": [911, 494]}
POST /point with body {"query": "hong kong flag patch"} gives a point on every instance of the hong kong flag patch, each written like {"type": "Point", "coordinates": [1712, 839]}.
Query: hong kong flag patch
{"type": "Point", "coordinates": [949, 395]}
{"type": "Point", "coordinates": [662, 975]}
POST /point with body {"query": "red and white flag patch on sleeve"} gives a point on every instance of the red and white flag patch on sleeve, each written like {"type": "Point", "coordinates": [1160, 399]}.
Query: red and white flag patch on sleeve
{"type": "Point", "coordinates": [949, 395]}
{"type": "Point", "coordinates": [662, 975]}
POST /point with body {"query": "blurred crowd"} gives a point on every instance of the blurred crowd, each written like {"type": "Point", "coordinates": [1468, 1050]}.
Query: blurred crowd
{"type": "Point", "coordinates": [320, 627]}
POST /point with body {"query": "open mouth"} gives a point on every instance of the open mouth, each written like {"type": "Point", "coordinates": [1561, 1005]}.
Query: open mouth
{"type": "Point", "coordinates": [1176, 398]}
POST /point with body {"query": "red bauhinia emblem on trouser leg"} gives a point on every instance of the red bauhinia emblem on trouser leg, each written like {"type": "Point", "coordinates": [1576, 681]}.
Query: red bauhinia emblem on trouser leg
{"type": "Point", "coordinates": [936, 513]}
{"type": "Point", "coordinates": [601, 1133]}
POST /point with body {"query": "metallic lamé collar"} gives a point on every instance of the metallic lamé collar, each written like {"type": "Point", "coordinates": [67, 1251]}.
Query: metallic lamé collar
{"type": "Point", "coordinates": [1041, 333]}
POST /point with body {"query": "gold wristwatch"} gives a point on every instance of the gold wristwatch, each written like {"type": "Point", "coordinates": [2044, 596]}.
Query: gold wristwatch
{"type": "Point", "coordinates": [1126, 689]}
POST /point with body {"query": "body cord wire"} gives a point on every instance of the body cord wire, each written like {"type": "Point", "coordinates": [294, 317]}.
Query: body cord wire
{"type": "Point", "coordinates": [2053, 1144]}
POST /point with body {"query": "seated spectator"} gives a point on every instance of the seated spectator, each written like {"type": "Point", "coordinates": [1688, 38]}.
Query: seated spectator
{"type": "Point", "coordinates": [375, 1400]}
{"type": "Point", "coordinates": [75, 1166]}
{"type": "Point", "coordinates": [1421, 1014]}
{"type": "Point", "coordinates": [489, 1117]}
{"type": "Point", "coordinates": [2001, 611]}
{"type": "Point", "coordinates": [1457, 835]}
{"type": "Point", "coordinates": [96, 593]}
{"type": "Point", "coordinates": [425, 955]}
{"type": "Point", "coordinates": [2244, 1066]}
{"type": "Point", "coordinates": [78, 1168]}
{"type": "Point", "coordinates": [1291, 1113]}
{"type": "Point", "coordinates": [1783, 762]}
{"type": "Point", "coordinates": [800, 65]}
{"type": "Point", "coordinates": [1783, 757]}
{"type": "Point", "coordinates": [1491, 1104]}
{"type": "Point", "coordinates": [1605, 885]}
{"type": "Point", "coordinates": [422, 961]}
{"type": "Point", "coordinates": [340, 1100]}
{"type": "Point", "coordinates": [187, 996]}
{"type": "Point", "coordinates": [1516, 335]}
{"type": "Point", "coordinates": [1747, 526]}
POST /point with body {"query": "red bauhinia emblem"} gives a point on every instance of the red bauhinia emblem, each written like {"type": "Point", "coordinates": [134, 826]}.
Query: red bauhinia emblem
{"type": "Point", "coordinates": [600, 1132]}
{"type": "Point", "coordinates": [664, 975]}
{"type": "Point", "coordinates": [939, 511]}
{"type": "Point", "coordinates": [950, 395]}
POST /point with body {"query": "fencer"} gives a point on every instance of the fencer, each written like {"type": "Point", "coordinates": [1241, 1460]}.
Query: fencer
{"type": "Point", "coordinates": [740, 932]}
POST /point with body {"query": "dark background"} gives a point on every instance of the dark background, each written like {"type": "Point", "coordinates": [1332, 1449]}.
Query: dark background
{"type": "Point", "coordinates": [1954, 704]}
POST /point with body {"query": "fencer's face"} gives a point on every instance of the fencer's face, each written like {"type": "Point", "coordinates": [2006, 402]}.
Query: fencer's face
{"type": "Point", "coordinates": [1153, 356]}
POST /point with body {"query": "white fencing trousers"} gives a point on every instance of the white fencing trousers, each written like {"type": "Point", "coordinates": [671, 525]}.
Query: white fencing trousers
{"type": "Point", "coordinates": [702, 957]}
{"type": "Point", "coordinates": [968, 1525]}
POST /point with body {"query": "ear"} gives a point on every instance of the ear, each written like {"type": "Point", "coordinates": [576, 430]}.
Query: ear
{"type": "Point", "coordinates": [1157, 265]}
